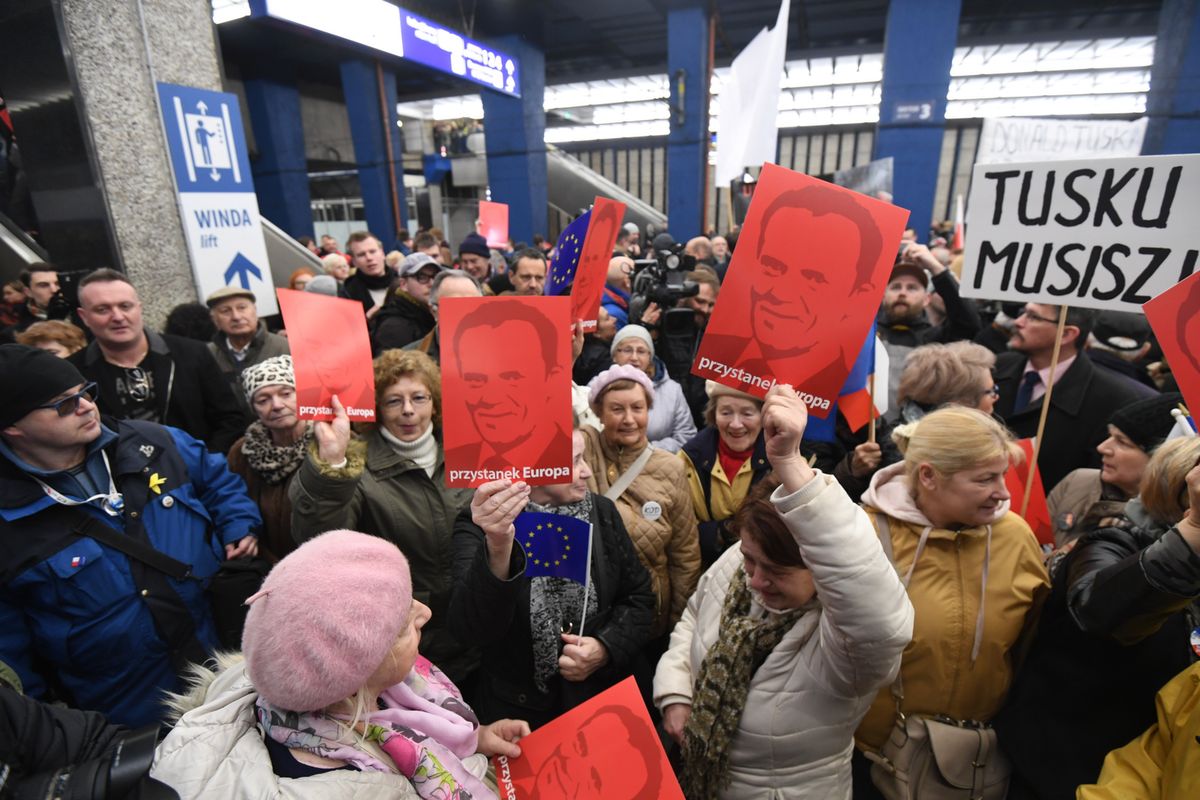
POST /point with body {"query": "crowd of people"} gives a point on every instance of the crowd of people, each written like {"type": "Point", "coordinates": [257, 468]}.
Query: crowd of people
{"type": "Point", "coordinates": [799, 613]}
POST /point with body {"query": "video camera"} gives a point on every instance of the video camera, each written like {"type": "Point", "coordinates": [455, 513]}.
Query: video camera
{"type": "Point", "coordinates": [662, 280]}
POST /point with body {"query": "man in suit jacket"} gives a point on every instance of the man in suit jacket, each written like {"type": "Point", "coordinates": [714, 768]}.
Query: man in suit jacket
{"type": "Point", "coordinates": [1084, 395]}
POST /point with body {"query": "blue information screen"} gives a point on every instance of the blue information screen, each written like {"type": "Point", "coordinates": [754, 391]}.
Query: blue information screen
{"type": "Point", "coordinates": [447, 51]}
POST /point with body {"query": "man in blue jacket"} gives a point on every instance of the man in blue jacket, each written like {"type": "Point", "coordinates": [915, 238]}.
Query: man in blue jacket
{"type": "Point", "coordinates": [79, 616]}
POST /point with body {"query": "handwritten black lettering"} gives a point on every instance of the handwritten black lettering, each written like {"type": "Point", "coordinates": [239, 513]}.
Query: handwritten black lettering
{"type": "Point", "coordinates": [1085, 205]}
{"type": "Point", "coordinates": [1000, 178]}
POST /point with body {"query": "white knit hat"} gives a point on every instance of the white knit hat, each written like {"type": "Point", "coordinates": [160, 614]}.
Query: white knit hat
{"type": "Point", "coordinates": [635, 332]}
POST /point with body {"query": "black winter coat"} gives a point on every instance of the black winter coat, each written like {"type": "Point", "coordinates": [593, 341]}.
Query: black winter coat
{"type": "Point", "coordinates": [494, 614]}
{"type": "Point", "coordinates": [1113, 631]}
{"type": "Point", "coordinates": [1083, 400]}
{"type": "Point", "coordinates": [193, 394]}
{"type": "Point", "coordinates": [962, 319]}
{"type": "Point", "coordinates": [402, 321]}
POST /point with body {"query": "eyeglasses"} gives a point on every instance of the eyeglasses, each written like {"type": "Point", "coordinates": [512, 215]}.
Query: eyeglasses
{"type": "Point", "coordinates": [417, 400]}
{"type": "Point", "coordinates": [70, 404]}
{"type": "Point", "coordinates": [629, 351]}
{"type": "Point", "coordinates": [1029, 315]}
{"type": "Point", "coordinates": [994, 391]}
{"type": "Point", "coordinates": [423, 277]}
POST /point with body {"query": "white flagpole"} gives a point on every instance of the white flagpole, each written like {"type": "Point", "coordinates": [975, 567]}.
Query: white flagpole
{"type": "Point", "coordinates": [587, 582]}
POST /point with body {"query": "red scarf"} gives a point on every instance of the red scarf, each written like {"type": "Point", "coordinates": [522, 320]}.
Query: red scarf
{"type": "Point", "coordinates": [731, 460]}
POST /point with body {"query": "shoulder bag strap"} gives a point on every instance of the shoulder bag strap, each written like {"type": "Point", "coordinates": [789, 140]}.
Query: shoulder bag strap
{"type": "Point", "coordinates": [93, 528]}
{"type": "Point", "coordinates": [629, 475]}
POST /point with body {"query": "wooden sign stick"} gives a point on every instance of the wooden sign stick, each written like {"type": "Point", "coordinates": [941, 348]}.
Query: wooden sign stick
{"type": "Point", "coordinates": [1037, 441]}
{"type": "Point", "coordinates": [871, 424]}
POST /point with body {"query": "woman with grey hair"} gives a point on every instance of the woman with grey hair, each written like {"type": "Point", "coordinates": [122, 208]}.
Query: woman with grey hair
{"type": "Point", "coordinates": [959, 373]}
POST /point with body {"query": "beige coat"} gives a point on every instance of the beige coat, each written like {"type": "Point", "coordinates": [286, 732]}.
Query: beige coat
{"type": "Point", "coordinates": [657, 512]}
{"type": "Point", "coordinates": [939, 676]}
{"type": "Point", "coordinates": [795, 736]}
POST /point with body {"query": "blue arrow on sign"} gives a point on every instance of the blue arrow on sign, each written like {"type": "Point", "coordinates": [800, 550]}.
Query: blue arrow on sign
{"type": "Point", "coordinates": [242, 267]}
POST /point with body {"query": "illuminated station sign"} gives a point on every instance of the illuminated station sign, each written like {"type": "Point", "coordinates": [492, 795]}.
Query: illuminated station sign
{"type": "Point", "coordinates": [390, 29]}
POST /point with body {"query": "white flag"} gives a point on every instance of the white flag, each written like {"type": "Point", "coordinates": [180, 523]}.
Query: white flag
{"type": "Point", "coordinates": [747, 126]}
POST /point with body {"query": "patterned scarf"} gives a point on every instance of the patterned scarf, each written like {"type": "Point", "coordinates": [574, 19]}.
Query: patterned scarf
{"type": "Point", "coordinates": [556, 604]}
{"type": "Point", "coordinates": [423, 725]}
{"type": "Point", "coordinates": [274, 463]}
{"type": "Point", "coordinates": [719, 696]}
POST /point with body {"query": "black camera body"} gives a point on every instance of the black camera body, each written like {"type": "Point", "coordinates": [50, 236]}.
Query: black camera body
{"type": "Point", "coordinates": [662, 280]}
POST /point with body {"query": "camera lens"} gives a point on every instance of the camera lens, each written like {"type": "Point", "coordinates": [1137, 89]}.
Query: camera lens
{"type": "Point", "coordinates": [672, 261]}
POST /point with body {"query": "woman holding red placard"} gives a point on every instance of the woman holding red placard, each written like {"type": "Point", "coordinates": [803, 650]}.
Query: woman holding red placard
{"type": "Point", "coordinates": [389, 483]}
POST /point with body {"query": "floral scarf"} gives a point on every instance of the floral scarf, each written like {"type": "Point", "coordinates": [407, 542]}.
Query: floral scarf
{"type": "Point", "coordinates": [423, 724]}
{"type": "Point", "coordinates": [274, 463]}
{"type": "Point", "coordinates": [556, 604]}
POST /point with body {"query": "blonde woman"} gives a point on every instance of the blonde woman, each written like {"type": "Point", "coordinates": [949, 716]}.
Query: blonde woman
{"type": "Point", "coordinates": [972, 568]}
{"type": "Point", "coordinates": [1118, 625]}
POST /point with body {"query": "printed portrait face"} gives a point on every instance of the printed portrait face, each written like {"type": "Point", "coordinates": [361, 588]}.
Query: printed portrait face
{"type": "Point", "coordinates": [581, 768]}
{"type": "Point", "coordinates": [593, 263]}
{"type": "Point", "coordinates": [507, 390]}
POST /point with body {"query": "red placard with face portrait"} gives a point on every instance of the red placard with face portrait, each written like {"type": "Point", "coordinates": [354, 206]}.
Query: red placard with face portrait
{"type": "Point", "coordinates": [605, 748]}
{"type": "Point", "coordinates": [592, 271]}
{"type": "Point", "coordinates": [493, 223]}
{"type": "Point", "coordinates": [806, 279]}
{"type": "Point", "coordinates": [331, 354]}
{"type": "Point", "coordinates": [506, 389]}
{"type": "Point", "coordinates": [1175, 317]}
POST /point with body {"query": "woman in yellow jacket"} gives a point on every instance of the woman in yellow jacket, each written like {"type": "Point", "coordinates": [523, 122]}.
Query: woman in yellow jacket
{"type": "Point", "coordinates": [1164, 762]}
{"type": "Point", "coordinates": [973, 571]}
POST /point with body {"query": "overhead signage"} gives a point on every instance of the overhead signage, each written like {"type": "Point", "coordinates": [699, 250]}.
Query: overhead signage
{"type": "Point", "coordinates": [383, 26]}
{"type": "Point", "coordinates": [207, 144]}
{"type": "Point", "coordinates": [1010, 139]}
{"type": "Point", "coordinates": [1097, 233]}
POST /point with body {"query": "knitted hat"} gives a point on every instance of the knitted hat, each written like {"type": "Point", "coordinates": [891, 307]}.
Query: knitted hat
{"type": "Point", "coordinates": [623, 372]}
{"type": "Point", "coordinates": [474, 243]}
{"type": "Point", "coordinates": [1147, 422]}
{"type": "Point", "coordinates": [632, 331]}
{"type": "Point", "coordinates": [31, 377]}
{"type": "Point", "coordinates": [715, 390]}
{"type": "Point", "coordinates": [323, 284]}
{"type": "Point", "coordinates": [275, 371]}
{"type": "Point", "coordinates": [326, 617]}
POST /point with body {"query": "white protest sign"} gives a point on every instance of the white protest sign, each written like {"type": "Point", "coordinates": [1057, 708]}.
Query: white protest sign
{"type": "Point", "coordinates": [1012, 139]}
{"type": "Point", "coordinates": [1102, 233]}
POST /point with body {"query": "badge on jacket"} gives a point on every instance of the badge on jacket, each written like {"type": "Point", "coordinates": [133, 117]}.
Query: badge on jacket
{"type": "Point", "coordinates": [651, 511]}
{"type": "Point", "coordinates": [156, 483]}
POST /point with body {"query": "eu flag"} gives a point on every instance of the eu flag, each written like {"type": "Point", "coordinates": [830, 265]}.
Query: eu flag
{"type": "Point", "coordinates": [565, 258]}
{"type": "Point", "coordinates": [554, 544]}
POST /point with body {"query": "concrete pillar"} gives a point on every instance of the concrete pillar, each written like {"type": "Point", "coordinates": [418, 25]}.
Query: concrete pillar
{"type": "Point", "coordinates": [918, 50]}
{"type": "Point", "coordinates": [687, 142]}
{"type": "Point", "coordinates": [281, 168]}
{"type": "Point", "coordinates": [372, 124]}
{"type": "Point", "coordinates": [515, 132]}
{"type": "Point", "coordinates": [116, 56]}
{"type": "Point", "coordinates": [1173, 104]}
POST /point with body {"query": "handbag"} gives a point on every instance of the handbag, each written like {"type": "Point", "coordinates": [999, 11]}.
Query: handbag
{"type": "Point", "coordinates": [936, 757]}
{"type": "Point", "coordinates": [227, 592]}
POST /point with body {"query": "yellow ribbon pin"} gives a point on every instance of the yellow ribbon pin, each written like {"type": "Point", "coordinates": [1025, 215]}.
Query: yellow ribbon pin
{"type": "Point", "coordinates": [156, 482]}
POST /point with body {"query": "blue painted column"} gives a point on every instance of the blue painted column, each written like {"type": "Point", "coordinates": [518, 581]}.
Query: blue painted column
{"type": "Point", "coordinates": [281, 168]}
{"type": "Point", "coordinates": [687, 142]}
{"type": "Point", "coordinates": [1173, 104]}
{"type": "Point", "coordinates": [515, 131]}
{"type": "Point", "coordinates": [369, 128]}
{"type": "Point", "coordinates": [918, 49]}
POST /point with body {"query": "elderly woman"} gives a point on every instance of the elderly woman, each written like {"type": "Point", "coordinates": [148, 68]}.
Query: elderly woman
{"type": "Point", "coordinates": [390, 483]}
{"type": "Point", "coordinates": [671, 422]}
{"type": "Point", "coordinates": [649, 487]}
{"type": "Point", "coordinates": [272, 449]}
{"type": "Point", "coordinates": [300, 278]}
{"type": "Point", "coordinates": [332, 698]}
{"type": "Point", "coordinates": [1085, 496]}
{"type": "Point", "coordinates": [536, 663]}
{"type": "Point", "coordinates": [972, 568]}
{"type": "Point", "coordinates": [335, 264]}
{"type": "Point", "coordinates": [58, 337]}
{"type": "Point", "coordinates": [1116, 627]}
{"type": "Point", "coordinates": [788, 637]}
{"type": "Point", "coordinates": [723, 461]}
{"type": "Point", "coordinates": [959, 373]}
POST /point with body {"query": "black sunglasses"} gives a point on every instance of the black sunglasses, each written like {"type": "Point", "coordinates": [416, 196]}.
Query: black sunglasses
{"type": "Point", "coordinates": [70, 404]}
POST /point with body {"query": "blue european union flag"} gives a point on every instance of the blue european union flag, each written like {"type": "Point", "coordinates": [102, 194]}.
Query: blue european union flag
{"type": "Point", "coordinates": [565, 258]}
{"type": "Point", "coordinates": [554, 544]}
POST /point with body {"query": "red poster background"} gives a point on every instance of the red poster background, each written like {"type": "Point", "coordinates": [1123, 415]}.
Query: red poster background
{"type": "Point", "coordinates": [806, 279]}
{"type": "Point", "coordinates": [1038, 514]}
{"type": "Point", "coordinates": [609, 739]}
{"type": "Point", "coordinates": [331, 353]}
{"type": "Point", "coordinates": [506, 389]}
{"type": "Point", "coordinates": [493, 223]}
{"type": "Point", "coordinates": [1175, 317]}
{"type": "Point", "coordinates": [592, 270]}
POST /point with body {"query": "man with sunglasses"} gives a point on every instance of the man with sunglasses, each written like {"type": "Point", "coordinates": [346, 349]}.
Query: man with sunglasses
{"type": "Point", "coordinates": [145, 375]}
{"type": "Point", "coordinates": [80, 614]}
{"type": "Point", "coordinates": [405, 316]}
{"type": "Point", "coordinates": [1085, 395]}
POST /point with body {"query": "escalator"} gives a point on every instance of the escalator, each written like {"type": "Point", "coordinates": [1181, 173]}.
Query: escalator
{"type": "Point", "coordinates": [571, 186]}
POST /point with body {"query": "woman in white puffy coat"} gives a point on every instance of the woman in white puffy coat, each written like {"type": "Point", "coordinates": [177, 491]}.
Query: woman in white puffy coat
{"type": "Point", "coordinates": [787, 639]}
